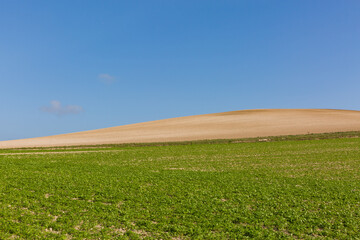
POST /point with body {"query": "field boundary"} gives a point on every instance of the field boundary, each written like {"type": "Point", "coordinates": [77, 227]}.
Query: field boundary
{"type": "Point", "coordinates": [301, 137]}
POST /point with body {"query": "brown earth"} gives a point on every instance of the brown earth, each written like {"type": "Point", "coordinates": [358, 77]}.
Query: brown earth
{"type": "Point", "coordinates": [227, 125]}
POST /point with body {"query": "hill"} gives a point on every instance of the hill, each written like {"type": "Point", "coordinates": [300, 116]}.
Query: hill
{"type": "Point", "coordinates": [226, 125]}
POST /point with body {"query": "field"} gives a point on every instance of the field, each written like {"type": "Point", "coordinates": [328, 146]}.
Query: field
{"type": "Point", "coordinates": [236, 189]}
{"type": "Point", "coordinates": [225, 125]}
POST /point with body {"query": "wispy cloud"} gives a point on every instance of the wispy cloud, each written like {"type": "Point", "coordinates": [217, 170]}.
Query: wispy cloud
{"type": "Point", "coordinates": [57, 109]}
{"type": "Point", "coordinates": [106, 78]}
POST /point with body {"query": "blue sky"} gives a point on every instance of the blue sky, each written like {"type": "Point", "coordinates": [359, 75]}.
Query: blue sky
{"type": "Point", "coordinates": [69, 66]}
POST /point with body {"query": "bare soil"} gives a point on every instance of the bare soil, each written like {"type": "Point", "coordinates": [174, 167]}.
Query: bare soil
{"type": "Point", "coordinates": [227, 125]}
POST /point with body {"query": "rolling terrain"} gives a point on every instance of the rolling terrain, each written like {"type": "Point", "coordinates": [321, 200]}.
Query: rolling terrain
{"type": "Point", "coordinates": [226, 125]}
{"type": "Point", "coordinates": [273, 188]}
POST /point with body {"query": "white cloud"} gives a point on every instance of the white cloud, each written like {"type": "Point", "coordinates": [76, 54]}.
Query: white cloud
{"type": "Point", "coordinates": [106, 78]}
{"type": "Point", "coordinates": [57, 109]}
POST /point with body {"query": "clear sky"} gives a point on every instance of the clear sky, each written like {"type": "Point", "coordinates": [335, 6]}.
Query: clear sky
{"type": "Point", "coordinates": [68, 66]}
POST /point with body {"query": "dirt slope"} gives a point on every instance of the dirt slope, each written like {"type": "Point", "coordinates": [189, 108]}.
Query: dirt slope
{"type": "Point", "coordinates": [236, 124]}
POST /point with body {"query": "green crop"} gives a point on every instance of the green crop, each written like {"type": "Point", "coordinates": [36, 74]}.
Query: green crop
{"type": "Point", "coordinates": [263, 190]}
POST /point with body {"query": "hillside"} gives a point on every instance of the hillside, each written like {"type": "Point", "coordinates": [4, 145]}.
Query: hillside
{"type": "Point", "coordinates": [235, 124]}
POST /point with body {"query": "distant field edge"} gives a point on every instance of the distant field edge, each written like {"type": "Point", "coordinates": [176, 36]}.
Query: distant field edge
{"type": "Point", "coordinates": [299, 137]}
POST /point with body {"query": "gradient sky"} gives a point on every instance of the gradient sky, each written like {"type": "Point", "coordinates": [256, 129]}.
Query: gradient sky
{"type": "Point", "coordinates": [69, 66]}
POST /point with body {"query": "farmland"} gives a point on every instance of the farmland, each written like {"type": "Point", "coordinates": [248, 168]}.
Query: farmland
{"type": "Point", "coordinates": [282, 189]}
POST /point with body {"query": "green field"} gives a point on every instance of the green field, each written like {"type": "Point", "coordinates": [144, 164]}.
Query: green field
{"type": "Point", "coordinates": [232, 190]}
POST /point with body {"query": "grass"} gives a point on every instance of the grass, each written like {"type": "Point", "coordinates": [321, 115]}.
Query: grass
{"type": "Point", "coordinates": [225, 190]}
